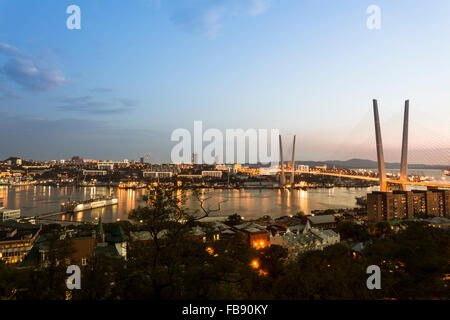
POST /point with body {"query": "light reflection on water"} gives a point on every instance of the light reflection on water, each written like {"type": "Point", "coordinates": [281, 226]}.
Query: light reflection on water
{"type": "Point", "coordinates": [249, 203]}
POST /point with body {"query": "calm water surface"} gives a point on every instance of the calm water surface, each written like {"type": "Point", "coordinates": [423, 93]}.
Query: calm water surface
{"type": "Point", "coordinates": [249, 203]}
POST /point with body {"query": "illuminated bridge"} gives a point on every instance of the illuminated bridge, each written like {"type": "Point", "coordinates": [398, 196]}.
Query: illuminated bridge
{"type": "Point", "coordinates": [389, 181]}
{"type": "Point", "coordinates": [382, 177]}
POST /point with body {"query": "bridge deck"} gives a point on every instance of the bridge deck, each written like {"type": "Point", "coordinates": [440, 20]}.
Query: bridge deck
{"type": "Point", "coordinates": [419, 183]}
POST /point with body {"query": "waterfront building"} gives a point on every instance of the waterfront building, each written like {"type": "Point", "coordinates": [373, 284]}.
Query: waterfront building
{"type": "Point", "coordinates": [212, 174]}
{"type": "Point", "coordinates": [105, 166]}
{"type": "Point", "coordinates": [190, 176]}
{"type": "Point", "coordinates": [236, 167]}
{"type": "Point", "coordinates": [14, 161]}
{"type": "Point", "coordinates": [95, 172]}
{"type": "Point", "coordinates": [387, 206]}
{"type": "Point", "coordinates": [7, 214]}
{"type": "Point", "coordinates": [221, 167]}
{"type": "Point", "coordinates": [155, 174]}
{"type": "Point", "coordinates": [110, 165]}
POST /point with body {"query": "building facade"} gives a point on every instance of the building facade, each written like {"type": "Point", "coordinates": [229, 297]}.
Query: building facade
{"type": "Point", "coordinates": [16, 240]}
{"type": "Point", "coordinates": [387, 206]}
{"type": "Point", "coordinates": [8, 214]}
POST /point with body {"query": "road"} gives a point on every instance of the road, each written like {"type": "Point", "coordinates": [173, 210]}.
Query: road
{"type": "Point", "coordinates": [417, 183]}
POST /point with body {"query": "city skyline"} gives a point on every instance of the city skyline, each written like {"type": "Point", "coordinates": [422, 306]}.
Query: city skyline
{"type": "Point", "coordinates": [135, 72]}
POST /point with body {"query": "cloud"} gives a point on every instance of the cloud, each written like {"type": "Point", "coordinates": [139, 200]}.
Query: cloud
{"type": "Point", "coordinates": [90, 105]}
{"type": "Point", "coordinates": [206, 20]}
{"type": "Point", "coordinates": [207, 16]}
{"type": "Point", "coordinates": [32, 77]}
{"type": "Point", "coordinates": [31, 74]}
{"type": "Point", "coordinates": [258, 7]}
{"type": "Point", "coordinates": [9, 50]}
{"type": "Point", "coordinates": [40, 138]}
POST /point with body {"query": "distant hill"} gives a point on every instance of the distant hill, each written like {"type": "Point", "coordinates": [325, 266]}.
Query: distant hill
{"type": "Point", "coordinates": [366, 164]}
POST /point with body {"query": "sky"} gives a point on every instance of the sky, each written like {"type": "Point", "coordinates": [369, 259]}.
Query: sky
{"type": "Point", "coordinates": [137, 70]}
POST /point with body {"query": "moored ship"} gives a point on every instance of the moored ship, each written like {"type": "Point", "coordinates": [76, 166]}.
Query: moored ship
{"type": "Point", "coordinates": [96, 202]}
{"type": "Point", "coordinates": [446, 172]}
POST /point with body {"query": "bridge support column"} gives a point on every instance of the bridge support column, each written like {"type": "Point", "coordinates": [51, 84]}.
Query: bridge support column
{"type": "Point", "coordinates": [404, 159]}
{"type": "Point", "coordinates": [282, 178]}
{"type": "Point", "coordinates": [293, 164]}
{"type": "Point", "coordinates": [380, 154]}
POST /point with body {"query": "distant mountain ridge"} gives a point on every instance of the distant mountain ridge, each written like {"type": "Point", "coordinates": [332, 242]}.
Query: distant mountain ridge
{"type": "Point", "coordinates": [366, 164]}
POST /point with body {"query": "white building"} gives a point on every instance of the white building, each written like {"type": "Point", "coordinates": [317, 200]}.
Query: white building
{"type": "Point", "coordinates": [212, 174]}
{"type": "Point", "coordinates": [222, 167]}
{"type": "Point", "coordinates": [309, 239]}
{"type": "Point", "coordinates": [7, 214]}
{"type": "Point", "coordinates": [109, 165]}
{"type": "Point", "coordinates": [156, 174]}
{"type": "Point", "coordinates": [95, 172]}
{"type": "Point", "coordinates": [303, 168]}
{"type": "Point", "coordinates": [14, 161]}
{"type": "Point", "coordinates": [105, 165]}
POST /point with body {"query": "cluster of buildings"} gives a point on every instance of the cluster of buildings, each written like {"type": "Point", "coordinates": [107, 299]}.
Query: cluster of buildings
{"type": "Point", "coordinates": [297, 234]}
{"type": "Point", "coordinates": [399, 204]}
{"type": "Point", "coordinates": [308, 239]}
{"type": "Point", "coordinates": [24, 244]}
{"type": "Point", "coordinates": [17, 240]}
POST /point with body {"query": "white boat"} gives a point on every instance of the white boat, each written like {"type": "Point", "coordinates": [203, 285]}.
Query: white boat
{"type": "Point", "coordinates": [96, 202]}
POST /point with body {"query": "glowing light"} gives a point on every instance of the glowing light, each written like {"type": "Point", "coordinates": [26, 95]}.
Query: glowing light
{"type": "Point", "coordinates": [255, 264]}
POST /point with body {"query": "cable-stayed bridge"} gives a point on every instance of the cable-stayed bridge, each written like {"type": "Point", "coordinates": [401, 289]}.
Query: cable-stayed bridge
{"type": "Point", "coordinates": [382, 177]}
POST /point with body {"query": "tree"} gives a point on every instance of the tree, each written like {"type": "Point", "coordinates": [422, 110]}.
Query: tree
{"type": "Point", "coordinates": [273, 259]}
{"type": "Point", "coordinates": [413, 262]}
{"type": "Point", "coordinates": [327, 275]}
{"type": "Point", "coordinates": [383, 229]}
{"type": "Point", "coordinates": [173, 252]}
{"type": "Point", "coordinates": [352, 230]}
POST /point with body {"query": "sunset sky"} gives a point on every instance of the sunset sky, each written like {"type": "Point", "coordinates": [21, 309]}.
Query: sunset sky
{"type": "Point", "coordinates": [137, 70]}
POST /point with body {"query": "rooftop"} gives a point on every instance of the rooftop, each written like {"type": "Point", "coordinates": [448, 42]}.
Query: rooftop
{"type": "Point", "coordinates": [329, 218]}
